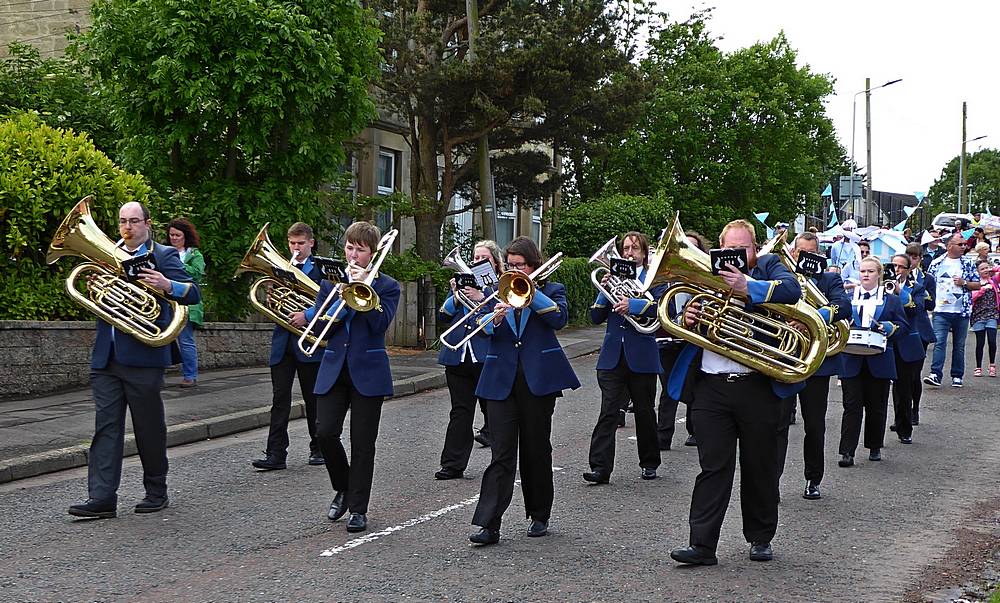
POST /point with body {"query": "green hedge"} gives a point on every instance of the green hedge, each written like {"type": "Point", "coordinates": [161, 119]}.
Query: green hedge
{"type": "Point", "coordinates": [582, 227]}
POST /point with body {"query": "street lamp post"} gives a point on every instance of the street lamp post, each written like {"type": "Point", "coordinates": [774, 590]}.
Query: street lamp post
{"type": "Point", "coordinates": [854, 113]}
{"type": "Point", "coordinates": [962, 176]}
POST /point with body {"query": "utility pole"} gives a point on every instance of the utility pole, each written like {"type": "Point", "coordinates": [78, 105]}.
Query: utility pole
{"type": "Point", "coordinates": [489, 207]}
{"type": "Point", "coordinates": [868, 130]}
{"type": "Point", "coordinates": [962, 176]}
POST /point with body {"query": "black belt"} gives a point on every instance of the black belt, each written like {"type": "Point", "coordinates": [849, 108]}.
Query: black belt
{"type": "Point", "coordinates": [731, 377]}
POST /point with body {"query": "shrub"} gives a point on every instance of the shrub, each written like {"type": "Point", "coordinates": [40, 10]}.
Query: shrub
{"type": "Point", "coordinates": [581, 228]}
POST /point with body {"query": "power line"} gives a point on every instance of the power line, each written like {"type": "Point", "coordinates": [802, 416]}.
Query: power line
{"type": "Point", "coordinates": [71, 11]}
{"type": "Point", "coordinates": [23, 3]}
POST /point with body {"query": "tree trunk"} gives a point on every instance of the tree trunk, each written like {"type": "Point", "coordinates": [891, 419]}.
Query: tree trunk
{"type": "Point", "coordinates": [425, 190]}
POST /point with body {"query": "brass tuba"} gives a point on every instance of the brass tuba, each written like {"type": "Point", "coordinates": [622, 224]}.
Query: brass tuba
{"type": "Point", "coordinates": [724, 325]}
{"type": "Point", "coordinates": [132, 308]}
{"type": "Point", "coordinates": [837, 333]}
{"type": "Point", "coordinates": [619, 288]}
{"type": "Point", "coordinates": [283, 290]}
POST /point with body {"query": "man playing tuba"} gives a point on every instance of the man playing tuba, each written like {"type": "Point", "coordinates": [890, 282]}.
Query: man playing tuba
{"type": "Point", "coordinates": [128, 372]}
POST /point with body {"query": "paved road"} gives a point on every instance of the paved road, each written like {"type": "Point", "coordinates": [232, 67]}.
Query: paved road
{"type": "Point", "coordinates": [235, 535]}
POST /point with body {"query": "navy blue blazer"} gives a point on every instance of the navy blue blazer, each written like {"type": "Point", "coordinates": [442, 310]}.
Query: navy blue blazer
{"type": "Point", "coordinates": [641, 353]}
{"type": "Point", "coordinates": [128, 350]}
{"type": "Point", "coordinates": [831, 285]}
{"type": "Point", "coordinates": [530, 345]}
{"type": "Point", "coordinates": [881, 366]}
{"type": "Point", "coordinates": [925, 305]}
{"type": "Point", "coordinates": [281, 335]}
{"type": "Point", "coordinates": [451, 312]}
{"type": "Point", "coordinates": [909, 345]}
{"type": "Point", "coordinates": [359, 339]}
{"type": "Point", "coordinates": [774, 284]}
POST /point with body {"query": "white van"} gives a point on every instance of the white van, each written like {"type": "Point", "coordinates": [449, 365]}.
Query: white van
{"type": "Point", "coordinates": [947, 220]}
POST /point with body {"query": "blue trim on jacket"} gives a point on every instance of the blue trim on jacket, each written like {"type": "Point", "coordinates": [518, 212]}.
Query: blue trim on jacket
{"type": "Point", "coordinates": [620, 337]}
{"type": "Point", "coordinates": [882, 366]}
{"type": "Point", "coordinates": [280, 336]}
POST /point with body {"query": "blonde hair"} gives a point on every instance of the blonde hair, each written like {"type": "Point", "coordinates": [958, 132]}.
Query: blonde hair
{"type": "Point", "coordinates": [878, 264]}
{"type": "Point", "coordinates": [982, 246]}
{"type": "Point", "coordinates": [738, 224]}
{"type": "Point", "coordinates": [494, 250]}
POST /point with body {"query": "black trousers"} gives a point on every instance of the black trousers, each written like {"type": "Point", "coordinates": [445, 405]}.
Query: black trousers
{"type": "Point", "coordinates": [814, 399]}
{"type": "Point", "coordinates": [354, 478]}
{"type": "Point", "coordinates": [282, 376]}
{"type": "Point", "coordinates": [902, 395]}
{"type": "Point", "coordinates": [618, 386]}
{"type": "Point", "coordinates": [462, 380]}
{"type": "Point", "coordinates": [666, 412]}
{"type": "Point", "coordinates": [918, 384]}
{"type": "Point", "coordinates": [869, 396]}
{"type": "Point", "coordinates": [521, 423]}
{"type": "Point", "coordinates": [138, 388]}
{"type": "Point", "coordinates": [745, 412]}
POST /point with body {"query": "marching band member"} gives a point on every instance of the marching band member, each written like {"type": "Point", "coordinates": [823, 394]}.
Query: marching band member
{"type": "Point", "coordinates": [462, 369]}
{"type": "Point", "coordinates": [733, 404]}
{"type": "Point", "coordinates": [924, 327]}
{"type": "Point", "coordinates": [910, 350]}
{"type": "Point", "coordinates": [626, 369]}
{"type": "Point", "coordinates": [354, 375]}
{"type": "Point", "coordinates": [865, 378]}
{"type": "Point", "coordinates": [287, 361]}
{"type": "Point", "coordinates": [815, 397]}
{"type": "Point", "coordinates": [524, 372]}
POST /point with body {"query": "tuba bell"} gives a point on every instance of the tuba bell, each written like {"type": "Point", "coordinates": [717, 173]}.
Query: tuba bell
{"type": "Point", "coordinates": [724, 325]}
{"type": "Point", "coordinates": [619, 288]}
{"type": "Point", "coordinates": [837, 333]}
{"type": "Point", "coordinates": [132, 308]}
{"type": "Point", "coordinates": [283, 290]}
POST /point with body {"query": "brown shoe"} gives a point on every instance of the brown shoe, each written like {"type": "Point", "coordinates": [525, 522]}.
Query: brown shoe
{"type": "Point", "coordinates": [188, 383]}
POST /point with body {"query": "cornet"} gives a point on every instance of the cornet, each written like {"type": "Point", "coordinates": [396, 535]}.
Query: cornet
{"type": "Point", "coordinates": [359, 295]}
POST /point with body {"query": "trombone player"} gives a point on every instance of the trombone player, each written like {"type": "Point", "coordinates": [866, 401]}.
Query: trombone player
{"type": "Point", "coordinates": [628, 365]}
{"type": "Point", "coordinates": [126, 372]}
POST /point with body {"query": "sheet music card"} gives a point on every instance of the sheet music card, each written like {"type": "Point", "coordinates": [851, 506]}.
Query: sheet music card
{"type": "Point", "coordinates": [466, 279]}
{"type": "Point", "coordinates": [623, 268]}
{"type": "Point", "coordinates": [731, 257]}
{"type": "Point", "coordinates": [133, 266]}
{"type": "Point", "coordinates": [485, 275]}
{"type": "Point", "coordinates": [810, 264]}
{"type": "Point", "coordinates": [332, 270]}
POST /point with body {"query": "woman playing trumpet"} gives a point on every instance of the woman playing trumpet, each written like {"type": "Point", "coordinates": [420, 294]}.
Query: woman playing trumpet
{"type": "Point", "coordinates": [524, 372]}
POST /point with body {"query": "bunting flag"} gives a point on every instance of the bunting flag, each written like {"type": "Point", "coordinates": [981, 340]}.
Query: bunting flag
{"type": "Point", "coordinates": [827, 192]}
{"type": "Point", "coordinates": [967, 234]}
{"type": "Point", "coordinates": [899, 227]}
{"type": "Point", "coordinates": [770, 232]}
{"type": "Point", "coordinates": [909, 210]}
{"type": "Point", "coordinates": [762, 216]}
{"type": "Point", "coordinates": [920, 196]}
{"type": "Point", "coordinates": [833, 218]}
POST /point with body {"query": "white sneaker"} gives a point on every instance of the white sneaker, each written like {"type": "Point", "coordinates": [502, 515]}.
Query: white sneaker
{"type": "Point", "coordinates": [956, 382]}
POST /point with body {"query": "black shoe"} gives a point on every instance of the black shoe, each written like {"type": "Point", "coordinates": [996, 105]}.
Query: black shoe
{"type": "Point", "coordinates": [761, 551]}
{"type": "Point", "coordinates": [481, 439]}
{"type": "Point", "coordinates": [875, 454]}
{"type": "Point", "coordinates": [448, 474]}
{"type": "Point", "coordinates": [596, 477]}
{"type": "Point", "coordinates": [846, 460]}
{"type": "Point", "coordinates": [270, 462]}
{"type": "Point", "coordinates": [94, 510]}
{"type": "Point", "coordinates": [691, 441]}
{"type": "Point", "coordinates": [337, 507]}
{"type": "Point", "coordinates": [892, 427]}
{"type": "Point", "coordinates": [316, 458]}
{"type": "Point", "coordinates": [621, 418]}
{"type": "Point", "coordinates": [694, 555]}
{"type": "Point", "coordinates": [151, 505]}
{"type": "Point", "coordinates": [538, 528]}
{"type": "Point", "coordinates": [648, 473]}
{"type": "Point", "coordinates": [905, 440]}
{"type": "Point", "coordinates": [664, 446]}
{"type": "Point", "coordinates": [357, 523]}
{"type": "Point", "coordinates": [812, 492]}
{"type": "Point", "coordinates": [485, 536]}
{"type": "Point", "coordinates": [916, 418]}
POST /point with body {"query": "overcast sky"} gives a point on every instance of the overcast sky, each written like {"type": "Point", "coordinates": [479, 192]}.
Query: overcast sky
{"type": "Point", "coordinates": [945, 52]}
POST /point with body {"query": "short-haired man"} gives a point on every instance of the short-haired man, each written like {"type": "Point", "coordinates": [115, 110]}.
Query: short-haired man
{"type": "Point", "coordinates": [923, 321]}
{"type": "Point", "coordinates": [287, 360]}
{"type": "Point", "coordinates": [124, 372]}
{"type": "Point", "coordinates": [866, 249]}
{"type": "Point", "coordinates": [733, 405]}
{"type": "Point", "coordinates": [955, 277]}
{"type": "Point", "coordinates": [845, 256]}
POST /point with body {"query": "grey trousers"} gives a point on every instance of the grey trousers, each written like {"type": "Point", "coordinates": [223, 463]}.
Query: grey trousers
{"type": "Point", "coordinates": [138, 388]}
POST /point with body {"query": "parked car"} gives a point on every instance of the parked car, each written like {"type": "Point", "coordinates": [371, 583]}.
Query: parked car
{"type": "Point", "coordinates": [947, 220]}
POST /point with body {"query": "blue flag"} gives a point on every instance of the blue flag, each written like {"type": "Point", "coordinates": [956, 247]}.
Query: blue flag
{"type": "Point", "coordinates": [827, 192]}
{"type": "Point", "coordinates": [833, 219]}
{"type": "Point", "coordinates": [899, 227]}
{"type": "Point", "coordinates": [762, 217]}
{"type": "Point", "coordinates": [919, 195]}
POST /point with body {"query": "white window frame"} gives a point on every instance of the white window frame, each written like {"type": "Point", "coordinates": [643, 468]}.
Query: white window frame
{"type": "Point", "coordinates": [386, 190]}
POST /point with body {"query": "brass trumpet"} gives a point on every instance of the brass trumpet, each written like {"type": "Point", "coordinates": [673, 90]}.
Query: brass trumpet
{"type": "Point", "coordinates": [762, 340]}
{"type": "Point", "coordinates": [133, 308]}
{"type": "Point", "coordinates": [284, 290]}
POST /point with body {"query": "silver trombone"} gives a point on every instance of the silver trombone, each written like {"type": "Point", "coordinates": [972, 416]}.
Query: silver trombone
{"type": "Point", "coordinates": [619, 288]}
{"type": "Point", "coordinates": [358, 295]}
{"type": "Point", "coordinates": [516, 289]}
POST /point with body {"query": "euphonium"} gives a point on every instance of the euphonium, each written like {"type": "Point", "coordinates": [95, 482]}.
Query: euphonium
{"type": "Point", "coordinates": [454, 261]}
{"type": "Point", "coordinates": [132, 308]}
{"type": "Point", "coordinates": [283, 290]}
{"type": "Point", "coordinates": [724, 325]}
{"type": "Point", "coordinates": [837, 333]}
{"type": "Point", "coordinates": [619, 288]}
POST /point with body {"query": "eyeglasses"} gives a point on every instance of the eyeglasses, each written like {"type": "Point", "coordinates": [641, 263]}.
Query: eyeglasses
{"type": "Point", "coordinates": [900, 267]}
{"type": "Point", "coordinates": [132, 221]}
{"type": "Point", "coordinates": [517, 265]}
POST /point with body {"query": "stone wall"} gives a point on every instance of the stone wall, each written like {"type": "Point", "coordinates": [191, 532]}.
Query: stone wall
{"type": "Point", "coordinates": [42, 23]}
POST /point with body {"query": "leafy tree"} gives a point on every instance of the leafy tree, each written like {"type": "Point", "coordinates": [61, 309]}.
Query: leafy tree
{"type": "Point", "coordinates": [57, 89]}
{"type": "Point", "coordinates": [237, 108]}
{"type": "Point", "coordinates": [725, 135]}
{"type": "Point", "coordinates": [983, 175]}
{"type": "Point", "coordinates": [553, 72]}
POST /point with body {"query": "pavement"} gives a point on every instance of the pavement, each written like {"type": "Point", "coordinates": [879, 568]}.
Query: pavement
{"type": "Point", "coordinates": [53, 432]}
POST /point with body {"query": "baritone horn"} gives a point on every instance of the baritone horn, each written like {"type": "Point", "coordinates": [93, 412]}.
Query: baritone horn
{"type": "Point", "coordinates": [132, 308]}
{"type": "Point", "coordinates": [283, 290]}
{"type": "Point", "coordinates": [454, 261]}
{"type": "Point", "coordinates": [619, 288]}
{"type": "Point", "coordinates": [516, 289]}
{"type": "Point", "coordinates": [359, 296]}
{"type": "Point", "coordinates": [762, 340]}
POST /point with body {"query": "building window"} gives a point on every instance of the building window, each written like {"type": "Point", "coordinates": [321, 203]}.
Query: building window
{"type": "Point", "coordinates": [536, 223]}
{"type": "Point", "coordinates": [385, 173]}
{"type": "Point", "coordinates": [506, 221]}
